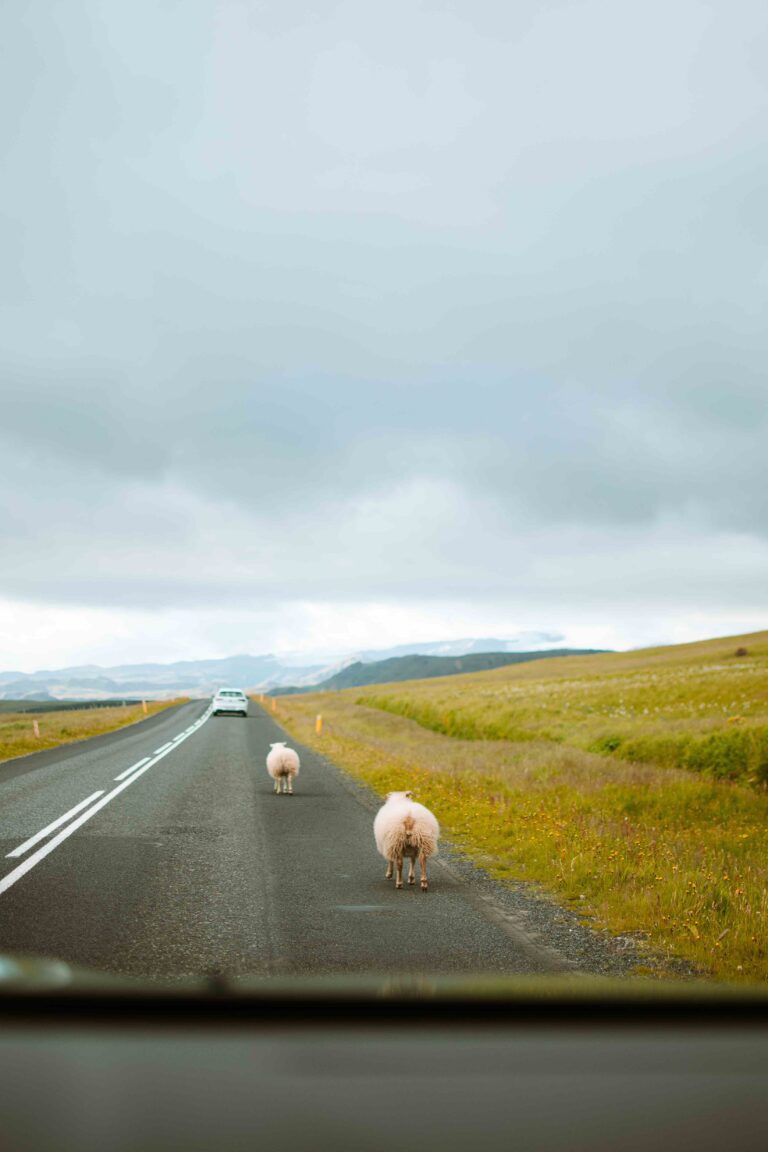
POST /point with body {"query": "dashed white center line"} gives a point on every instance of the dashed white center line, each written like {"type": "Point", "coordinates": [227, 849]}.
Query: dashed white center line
{"type": "Point", "coordinates": [137, 770]}
{"type": "Point", "coordinates": [25, 847]}
{"type": "Point", "coordinates": [132, 768]}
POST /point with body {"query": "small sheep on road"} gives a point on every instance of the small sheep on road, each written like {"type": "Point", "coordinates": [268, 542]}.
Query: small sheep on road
{"type": "Point", "coordinates": [282, 765]}
{"type": "Point", "coordinates": [403, 828]}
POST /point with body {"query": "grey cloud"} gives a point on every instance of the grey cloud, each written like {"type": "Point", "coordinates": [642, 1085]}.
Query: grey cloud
{"type": "Point", "coordinates": [270, 267]}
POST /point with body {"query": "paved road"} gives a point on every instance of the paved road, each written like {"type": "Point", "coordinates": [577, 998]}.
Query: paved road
{"type": "Point", "coordinates": [193, 865]}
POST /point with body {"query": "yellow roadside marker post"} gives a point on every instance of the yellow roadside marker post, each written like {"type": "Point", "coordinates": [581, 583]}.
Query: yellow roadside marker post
{"type": "Point", "coordinates": [274, 704]}
{"type": "Point", "coordinates": [319, 725]}
{"type": "Point", "coordinates": [144, 706]}
{"type": "Point", "coordinates": [36, 728]}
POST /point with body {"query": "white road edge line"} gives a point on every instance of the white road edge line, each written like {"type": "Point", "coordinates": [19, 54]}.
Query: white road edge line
{"type": "Point", "coordinates": [17, 873]}
{"type": "Point", "coordinates": [163, 747]}
{"type": "Point", "coordinates": [52, 827]}
{"type": "Point", "coordinates": [132, 768]}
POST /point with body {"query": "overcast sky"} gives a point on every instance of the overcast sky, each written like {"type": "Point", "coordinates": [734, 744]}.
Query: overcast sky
{"type": "Point", "coordinates": [332, 325]}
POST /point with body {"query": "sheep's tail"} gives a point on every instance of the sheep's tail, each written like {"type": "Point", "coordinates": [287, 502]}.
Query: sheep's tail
{"type": "Point", "coordinates": [282, 762]}
{"type": "Point", "coordinates": [409, 838]}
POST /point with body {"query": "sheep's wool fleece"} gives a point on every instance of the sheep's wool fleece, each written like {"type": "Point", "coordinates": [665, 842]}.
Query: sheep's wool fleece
{"type": "Point", "coordinates": [405, 828]}
{"type": "Point", "coordinates": [282, 761]}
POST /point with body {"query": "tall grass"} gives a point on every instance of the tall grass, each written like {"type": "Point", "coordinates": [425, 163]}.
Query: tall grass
{"type": "Point", "coordinates": [17, 735]}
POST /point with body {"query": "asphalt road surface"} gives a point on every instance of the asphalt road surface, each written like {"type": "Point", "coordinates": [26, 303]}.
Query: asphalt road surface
{"type": "Point", "coordinates": [177, 859]}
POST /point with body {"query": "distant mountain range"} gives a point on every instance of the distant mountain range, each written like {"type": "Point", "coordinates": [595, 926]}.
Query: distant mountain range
{"type": "Point", "coordinates": [155, 681]}
{"type": "Point", "coordinates": [261, 673]}
{"type": "Point", "coordinates": [416, 667]}
{"type": "Point", "coordinates": [523, 642]}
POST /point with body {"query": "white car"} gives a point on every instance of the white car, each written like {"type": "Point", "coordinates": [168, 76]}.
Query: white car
{"type": "Point", "coordinates": [230, 700]}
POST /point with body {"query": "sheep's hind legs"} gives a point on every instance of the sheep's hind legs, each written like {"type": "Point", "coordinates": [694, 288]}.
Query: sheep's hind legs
{"type": "Point", "coordinates": [399, 875]}
{"type": "Point", "coordinates": [411, 870]}
{"type": "Point", "coordinates": [423, 864]}
{"type": "Point", "coordinates": [277, 787]}
{"type": "Point", "coordinates": [388, 875]}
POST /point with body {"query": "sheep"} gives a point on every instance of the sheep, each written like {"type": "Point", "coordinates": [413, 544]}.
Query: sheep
{"type": "Point", "coordinates": [283, 764]}
{"type": "Point", "coordinates": [404, 828]}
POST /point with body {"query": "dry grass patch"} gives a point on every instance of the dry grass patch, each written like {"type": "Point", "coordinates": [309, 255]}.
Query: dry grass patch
{"type": "Point", "coordinates": [675, 857]}
{"type": "Point", "coordinates": [17, 735]}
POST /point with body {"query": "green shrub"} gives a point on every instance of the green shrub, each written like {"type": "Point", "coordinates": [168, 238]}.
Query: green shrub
{"type": "Point", "coordinates": [667, 751]}
{"type": "Point", "coordinates": [454, 722]}
{"type": "Point", "coordinates": [731, 755]}
{"type": "Point", "coordinates": [606, 744]}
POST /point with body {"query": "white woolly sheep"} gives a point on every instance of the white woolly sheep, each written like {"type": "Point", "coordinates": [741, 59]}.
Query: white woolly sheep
{"type": "Point", "coordinates": [283, 765]}
{"type": "Point", "coordinates": [403, 828]}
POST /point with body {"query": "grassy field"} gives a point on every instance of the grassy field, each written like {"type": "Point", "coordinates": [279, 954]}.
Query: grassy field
{"type": "Point", "coordinates": [17, 735]}
{"type": "Point", "coordinates": [700, 706]}
{"type": "Point", "coordinates": [677, 857]}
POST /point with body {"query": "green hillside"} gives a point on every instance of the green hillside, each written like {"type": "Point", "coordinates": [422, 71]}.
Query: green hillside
{"type": "Point", "coordinates": [416, 667]}
{"type": "Point", "coordinates": [701, 706]}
